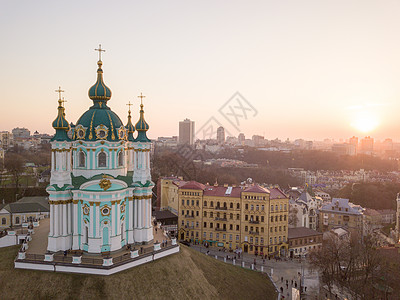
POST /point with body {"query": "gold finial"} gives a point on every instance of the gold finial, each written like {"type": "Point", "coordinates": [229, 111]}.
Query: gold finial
{"type": "Point", "coordinates": [62, 101]}
{"type": "Point", "coordinates": [100, 50]}
{"type": "Point", "coordinates": [59, 91]}
{"type": "Point", "coordinates": [141, 99]}
{"type": "Point", "coordinates": [129, 104]}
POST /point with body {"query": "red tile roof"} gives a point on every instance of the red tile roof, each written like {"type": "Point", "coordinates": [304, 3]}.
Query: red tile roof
{"type": "Point", "coordinates": [193, 185]}
{"type": "Point", "coordinates": [256, 189]}
{"type": "Point", "coordinates": [276, 193]}
{"type": "Point", "coordinates": [220, 191]}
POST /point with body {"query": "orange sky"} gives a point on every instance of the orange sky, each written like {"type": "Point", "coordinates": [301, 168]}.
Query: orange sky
{"type": "Point", "coordinates": [311, 69]}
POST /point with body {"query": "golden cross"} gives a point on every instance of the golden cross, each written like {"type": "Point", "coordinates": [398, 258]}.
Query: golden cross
{"type": "Point", "coordinates": [59, 91]}
{"type": "Point", "coordinates": [129, 104]}
{"type": "Point", "coordinates": [100, 50]}
{"type": "Point", "coordinates": [141, 98]}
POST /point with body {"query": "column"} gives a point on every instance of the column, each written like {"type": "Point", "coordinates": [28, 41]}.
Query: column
{"type": "Point", "coordinates": [51, 233]}
{"type": "Point", "coordinates": [140, 225]}
{"type": "Point", "coordinates": [64, 219]}
{"type": "Point", "coordinates": [130, 213]}
{"type": "Point", "coordinates": [118, 217]}
{"type": "Point", "coordinates": [56, 219]}
{"type": "Point", "coordinates": [52, 160]}
{"type": "Point", "coordinates": [91, 220]}
{"type": "Point", "coordinates": [70, 218]}
{"type": "Point", "coordinates": [149, 212]}
{"type": "Point", "coordinates": [75, 217]}
{"type": "Point", "coordinates": [113, 212]}
{"type": "Point", "coordinates": [135, 213]}
{"type": "Point", "coordinates": [97, 219]}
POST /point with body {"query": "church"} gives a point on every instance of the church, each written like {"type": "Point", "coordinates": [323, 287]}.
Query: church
{"type": "Point", "coordinates": [100, 188]}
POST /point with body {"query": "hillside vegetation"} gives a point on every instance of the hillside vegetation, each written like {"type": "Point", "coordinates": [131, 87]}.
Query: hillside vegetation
{"type": "Point", "coordinates": [187, 275]}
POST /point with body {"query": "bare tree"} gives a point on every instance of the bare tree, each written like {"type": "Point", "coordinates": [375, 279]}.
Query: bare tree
{"type": "Point", "coordinates": [293, 219]}
{"type": "Point", "coordinates": [14, 166]}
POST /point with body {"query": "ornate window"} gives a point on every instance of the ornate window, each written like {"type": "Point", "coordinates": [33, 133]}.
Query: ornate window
{"type": "Point", "coordinates": [102, 160]}
{"type": "Point", "coordinates": [82, 159]}
{"type": "Point", "coordinates": [121, 158]}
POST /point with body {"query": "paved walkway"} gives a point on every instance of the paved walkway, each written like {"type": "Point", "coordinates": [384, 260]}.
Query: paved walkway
{"type": "Point", "coordinates": [281, 270]}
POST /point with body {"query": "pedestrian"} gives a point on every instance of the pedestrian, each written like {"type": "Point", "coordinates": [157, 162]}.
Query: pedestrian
{"type": "Point", "coordinates": [287, 286]}
{"type": "Point", "coordinates": [282, 279]}
{"type": "Point", "coordinates": [281, 289]}
{"type": "Point", "coordinates": [156, 229]}
{"type": "Point", "coordinates": [292, 282]}
{"type": "Point", "coordinates": [305, 289]}
{"type": "Point", "coordinates": [254, 262]}
{"type": "Point", "coordinates": [295, 284]}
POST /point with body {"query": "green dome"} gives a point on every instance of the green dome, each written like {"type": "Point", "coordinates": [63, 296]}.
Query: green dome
{"type": "Point", "coordinates": [95, 120]}
{"type": "Point", "coordinates": [60, 124]}
{"type": "Point", "coordinates": [130, 128]}
{"type": "Point", "coordinates": [99, 92]}
{"type": "Point", "coordinates": [142, 127]}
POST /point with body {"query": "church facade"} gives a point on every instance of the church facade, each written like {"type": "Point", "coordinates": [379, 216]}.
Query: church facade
{"type": "Point", "coordinates": [100, 187]}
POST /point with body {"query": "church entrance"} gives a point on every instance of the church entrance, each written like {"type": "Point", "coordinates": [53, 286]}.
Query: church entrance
{"type": "Point", "coordinates": [246, 248]}
{"type": "Point", "coordinates": [106, 240]}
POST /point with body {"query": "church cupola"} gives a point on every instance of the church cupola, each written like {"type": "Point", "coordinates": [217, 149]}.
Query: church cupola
{"type": "Point", "coordinates": [99, 92]}
{"type": "Point", "coordinates": [129, 126]}
{"type": "Point", "coordinates": [141, 126]}
{"type": "Point", "coordinates": [60, 124]}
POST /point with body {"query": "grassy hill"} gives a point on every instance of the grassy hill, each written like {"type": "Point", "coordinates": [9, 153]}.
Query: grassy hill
{"type": "Point", "coordinates": [187, 275]}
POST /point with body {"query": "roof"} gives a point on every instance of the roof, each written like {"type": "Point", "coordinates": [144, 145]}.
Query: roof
{"type": "Point", "coordinates": [42, 200]}
{"type": "Point", "coordinates": [305, 196]}
{"type": "Point", "coordinates": [371, 212]}
{"type": "Point", "coordinates": [341, 205]}
{"type": "Point", "coordinates": [256, 189]}
{"type": "Point", "coordinates": [221, 191]}
{"type": "Point", "coordinates": [299, 232]}
{"type": "Point", "coordinates": [193, 185]}
{"type": "Point", "coordinates": [164, 214]}
{"type": "Point", "coordinates": [276, 193]}
{"type": "Point", "coordinates": [17, 207]}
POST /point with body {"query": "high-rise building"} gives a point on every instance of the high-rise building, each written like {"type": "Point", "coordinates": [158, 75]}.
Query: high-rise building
{"type": "Point", "coordinates": [186, 132]}
{"type": "Point", "coordinates": [367, 145]}
{"type": "Point", "coordinates": [354, 141]}
{"type": "Point", "coordinates": [221, 135]}
{"type": "Point", "coordinates": [241, 138]}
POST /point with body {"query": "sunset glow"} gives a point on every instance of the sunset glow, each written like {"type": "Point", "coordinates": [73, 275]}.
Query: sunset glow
{"type": "Point", "coordinates": [365, 121]}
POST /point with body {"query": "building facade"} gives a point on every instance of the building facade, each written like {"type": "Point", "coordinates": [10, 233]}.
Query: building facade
{"type": "Point", "coordinates": [341, 213]}
{"type": "Point", "coordinates": [252, 218]}
{"type": "Point", "coordinates": [302, 240]}
{"type": "Point", "coordinates": [100, 186]}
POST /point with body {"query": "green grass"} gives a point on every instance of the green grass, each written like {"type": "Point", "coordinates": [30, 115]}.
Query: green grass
{"type": "Point", "coordinates": [186, 275]}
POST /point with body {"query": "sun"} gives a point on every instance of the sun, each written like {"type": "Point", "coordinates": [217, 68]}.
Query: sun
{"type": "Point", "coordinates": [365, 121]}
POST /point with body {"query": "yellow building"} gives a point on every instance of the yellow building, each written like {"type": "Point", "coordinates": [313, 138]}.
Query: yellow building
{"type": "Point", "coordinates": [252, 218]}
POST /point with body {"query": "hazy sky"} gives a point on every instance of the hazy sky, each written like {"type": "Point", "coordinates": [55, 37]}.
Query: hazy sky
{"type": "Point", "coordinates": [311, 69]}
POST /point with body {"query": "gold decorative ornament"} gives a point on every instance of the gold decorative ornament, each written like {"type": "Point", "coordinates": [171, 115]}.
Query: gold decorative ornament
{"type": "Point", "coordinates": [105, 183]}
{"type": "Point", "coordinates": [105, 210]}
{"type": "Point", "coordinates": [86, 210]}
{"type": "Point", "coordinates": [101, 132]}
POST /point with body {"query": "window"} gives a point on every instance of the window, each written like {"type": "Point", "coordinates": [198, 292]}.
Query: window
{"type": "Point", "coordinates": [205, 214]}
{"type": "Point", "coordinates": [280, 207]}
{"type": "Point", "coordinates": [238, 206]}
{"type": "Point", "coordinates": [183, 212]}
{"type": "Point", "coordinates": [276, 207]}
{"type": "Point", "coordinates": [225, 204]}
{"type": "Point", "coordinates": [187, 202]}
{"type": "Point", "coordinates": [285, 207]}
{"type": "Point", "coordinates": [197, 213]}
{"type": "Point", "coordinates": [231, 205]}
{"type": "Point", "coordinates": [231, 216]}
{"type": "Point", "coordinates": [224, 236]}
{"type": "Point", "coordinates": [183, 202]}
{"type": "Point", "coordinates": [272, 208]}
{"type": "Point", "coordinates": [211, 214]}
{"type": "Point", "coordinates": [16, 220]}
{"type": "Point", "coordinates": [284, 217]}
{"type": "Point", "coordinates": [211, 225]}
{"type": "Point", "coordinates": [237, 237]}
{"type": "Point", "coordinates": [82, 159]}
{"type": "Point", "coordinates": [246, 228]}
{"type": "Point", "coordinates": [246, 217]}
{"type": "Point", "coordinates": [205, 203]}
{"type": "Point", "coordinates": [205, 225]}
{"type": "Point", "coordinates": [197, 224]}
{"type": "Point", "coordinates": [3, 221]}
{"type": "Point", "coordinates": [262, 229]}
{"type": "Point", "coordinates": [120, 158]}
{"type": "Point", "coordinates": [237, 217]}
{"type": "Point", "coordinates": [262, 207]}
{"type": "Point", "coordinates": [272, 219]}
{"type": "Point", "coordinates": [212, 204]}
{"type": "Point", "coordinates": [237, 227]}
{"type": "Point", "coordinates": [257, 207]}
{"type": "Point", "coordinates": [197, 202]}
{"type": "Point", "coordinates": [252, 207]}
{"type": "Point", "coordinates": [280, 218]}
{"type": "Point", "coordinates": [262, 218]}
{"type": "Point", "coordinates": [246, 206]}
{"type": "Point", "coordinates": [192, 202]}
{"type": "Point", "coordinates": [230, 227]}
{"type": "Point", "coordinates": [102, 159]}
{"type": "Point", "coordinates": [270, 229]}
{"type": "Point", "coordinates": [211, 235]}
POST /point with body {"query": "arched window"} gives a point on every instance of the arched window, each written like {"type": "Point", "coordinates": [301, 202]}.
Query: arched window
{"type": "Point", "coordinates": [16, 220]}
{"type": "Point", "coordinates": [82, 159]}
{"type": "Point", "coordinates": [3, 221]}
{"type": "Point", "coordinates": [120, 159]}
{"type": "Point", "coordinates": [102, 159]}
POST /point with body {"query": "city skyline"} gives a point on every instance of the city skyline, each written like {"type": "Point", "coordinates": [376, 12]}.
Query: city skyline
{"type": "Point", "coordinates": [310, 70]}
